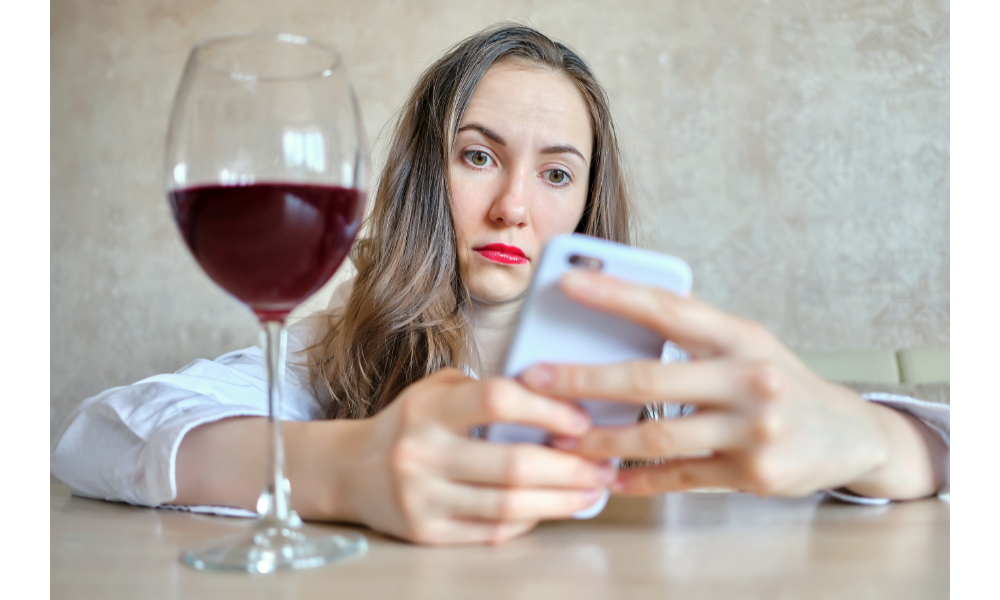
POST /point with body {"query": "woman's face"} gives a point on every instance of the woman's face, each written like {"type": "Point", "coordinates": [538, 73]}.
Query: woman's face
{"type": "Point", "coordinates": [518, 174]}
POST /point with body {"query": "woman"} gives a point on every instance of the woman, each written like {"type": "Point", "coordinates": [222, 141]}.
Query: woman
{"type": "Point", "coordinates": [505, 142]}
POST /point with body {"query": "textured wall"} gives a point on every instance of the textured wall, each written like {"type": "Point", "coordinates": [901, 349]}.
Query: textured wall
{"type": "Point", "coordinates": [794, 152]}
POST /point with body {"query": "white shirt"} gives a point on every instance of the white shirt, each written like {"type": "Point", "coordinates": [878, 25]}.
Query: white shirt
{"type": "Point", "coordinates": [122, 443]}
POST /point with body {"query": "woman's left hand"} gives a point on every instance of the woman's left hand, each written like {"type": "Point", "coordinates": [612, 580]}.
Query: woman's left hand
{"type": "Point", "coordinates": [769, 425]}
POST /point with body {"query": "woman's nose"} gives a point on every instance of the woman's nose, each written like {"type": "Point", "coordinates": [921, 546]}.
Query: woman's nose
{"type": "Point", "coordinates": [510, 207]}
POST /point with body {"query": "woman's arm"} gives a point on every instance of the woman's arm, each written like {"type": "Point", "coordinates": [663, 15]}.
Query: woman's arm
{"type": "Point", "coordinates": [224, 463]}
{"type": "Point", "coordinates": [411, 471]}
{"type": "Point", "coordinates": [771, 425]}
{"type": "Point", "coordinates": [121, 444]}
{"type": "Point", "coordinates": [199, 437]}
{"type": "Point", "coordinates": [914, 458]}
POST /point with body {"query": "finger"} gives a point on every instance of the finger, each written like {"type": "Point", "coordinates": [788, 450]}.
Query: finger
{"type": "Point", "coordinates": [661, 439]}
{"type": "Point", "coordinates": [504, 400]}
{"type": "Point", "coordinates": [699, 328]}
{"type": "Point", "coordinates": [709, 382]}
{"type": "Point", "coordinates": [524, 465]}
{"type": "Point", "coordinates": [515, 504]}
{"type": "Point", "coordinates": [678, 475]}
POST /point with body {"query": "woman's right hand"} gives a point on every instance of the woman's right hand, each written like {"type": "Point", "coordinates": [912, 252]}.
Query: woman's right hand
{"type": "Point", "coordinates": [419, 476]}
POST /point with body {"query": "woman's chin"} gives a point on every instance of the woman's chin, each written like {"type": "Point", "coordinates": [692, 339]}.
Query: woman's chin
{"type": "Point", "coordinates": [496, 294]}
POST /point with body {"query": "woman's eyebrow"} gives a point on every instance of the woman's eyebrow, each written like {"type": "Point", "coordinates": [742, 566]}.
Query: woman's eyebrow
{"type": "Point", "coordinates": [486, 132]}
{"type": "Point", "coordinates": [562, 150]}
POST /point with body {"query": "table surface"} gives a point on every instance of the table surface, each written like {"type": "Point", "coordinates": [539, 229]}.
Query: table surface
{"type": "Point", "coordinates": [695, 545]}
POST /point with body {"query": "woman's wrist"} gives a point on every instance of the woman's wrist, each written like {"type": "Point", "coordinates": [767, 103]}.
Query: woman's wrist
{"type": "Point", "coordinates": [906, 469]}
{"type": "Point", "coordinates": [321, 462]}
{"type": "Point", "coordinates": [877, 453]}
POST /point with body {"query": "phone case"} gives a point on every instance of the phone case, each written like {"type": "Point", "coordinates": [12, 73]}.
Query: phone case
{"type": "Point", "coordinates": [552, 328]}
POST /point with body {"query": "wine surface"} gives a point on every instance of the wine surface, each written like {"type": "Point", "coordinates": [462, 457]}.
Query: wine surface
{"type": "Point", "coordinates": [271, 245]}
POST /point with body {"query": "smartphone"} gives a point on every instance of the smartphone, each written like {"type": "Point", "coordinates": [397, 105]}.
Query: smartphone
{"type": "Point", "coordinates": [554, 329]}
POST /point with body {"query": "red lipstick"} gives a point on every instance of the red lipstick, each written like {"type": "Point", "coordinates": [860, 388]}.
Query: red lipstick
{"type": "Point", "coordinates": [503, 254]}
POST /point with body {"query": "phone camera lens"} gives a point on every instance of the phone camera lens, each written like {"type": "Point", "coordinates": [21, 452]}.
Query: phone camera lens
{"type": "Point", "coordinates": [586, 262]}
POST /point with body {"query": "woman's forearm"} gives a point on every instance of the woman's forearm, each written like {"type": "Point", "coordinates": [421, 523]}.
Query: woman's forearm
{"type": "Point", "coordinates": [224, 463]}
{"type": "Point", "coordinates": [912, 468]}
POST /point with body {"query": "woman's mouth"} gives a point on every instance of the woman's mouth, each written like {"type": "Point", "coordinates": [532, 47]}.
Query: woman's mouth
{"type": "Point", "coordinates": [503, 254]}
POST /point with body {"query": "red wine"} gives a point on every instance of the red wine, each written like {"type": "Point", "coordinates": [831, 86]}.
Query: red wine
{"type": "Point", "coordinates": [271, 245]}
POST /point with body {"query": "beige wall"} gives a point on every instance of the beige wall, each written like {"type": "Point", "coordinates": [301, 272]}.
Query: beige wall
{"type": "Point", "coordinates": [795, 153]}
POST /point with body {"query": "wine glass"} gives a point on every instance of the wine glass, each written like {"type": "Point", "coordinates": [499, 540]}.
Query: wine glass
{"type": "Point", "coordinates": [267, 176]}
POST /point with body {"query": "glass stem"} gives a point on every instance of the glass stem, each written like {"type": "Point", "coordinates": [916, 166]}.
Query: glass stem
{"type": "Point", "coordinates": [278, 488]}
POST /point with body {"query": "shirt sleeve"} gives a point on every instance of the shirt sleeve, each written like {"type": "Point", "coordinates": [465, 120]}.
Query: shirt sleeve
{"type": "Point", "coordinates": [122, 443]}
{"type": "Point", "coordinates": [935, 416]}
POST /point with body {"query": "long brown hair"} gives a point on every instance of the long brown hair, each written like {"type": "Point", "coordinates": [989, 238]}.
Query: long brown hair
{"type": "Point", "coordinates": [408, 314]}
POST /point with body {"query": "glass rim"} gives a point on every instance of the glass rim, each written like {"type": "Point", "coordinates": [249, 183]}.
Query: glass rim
{"type": "Point", "coordinates": [336, 62]}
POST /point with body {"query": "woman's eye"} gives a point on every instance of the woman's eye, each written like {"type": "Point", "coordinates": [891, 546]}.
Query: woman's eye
{"type": "Point", "coordinates": [557, 176]}
{"type": "Point", "coordinates": [478, 158]}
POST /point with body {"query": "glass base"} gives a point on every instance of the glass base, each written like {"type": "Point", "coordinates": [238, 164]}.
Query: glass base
{"type": "Point", "coordinates": [273, 546]}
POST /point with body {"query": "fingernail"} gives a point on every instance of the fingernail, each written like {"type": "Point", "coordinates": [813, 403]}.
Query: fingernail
{"type": "Point", "coordinates": [594, 495]}
{"type": "Point", "coordinates": [577, 281]}
{"type": "Point", "coordinates": [538, 376]}
{"type": "Point", "coordinates": [617, 486]}
{"type": "Point", "coordinates": [565, 443]}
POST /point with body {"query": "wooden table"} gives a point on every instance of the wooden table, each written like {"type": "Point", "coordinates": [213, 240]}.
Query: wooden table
{"type": "Point", "coordinates": [691, 545]}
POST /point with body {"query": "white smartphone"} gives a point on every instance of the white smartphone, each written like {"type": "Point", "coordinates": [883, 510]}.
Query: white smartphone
{"type": "Point", "coordinates": [554, 329]}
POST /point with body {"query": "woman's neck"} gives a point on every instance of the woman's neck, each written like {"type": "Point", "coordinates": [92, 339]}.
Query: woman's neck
{"type": "Point", "coordinates": [494, 328]}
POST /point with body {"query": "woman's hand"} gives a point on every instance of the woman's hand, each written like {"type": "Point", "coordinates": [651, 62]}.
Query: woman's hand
{"type": "Point", "coordinates": [418, 475]}
{"type": "Point", "coordinates": [770, 426]}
